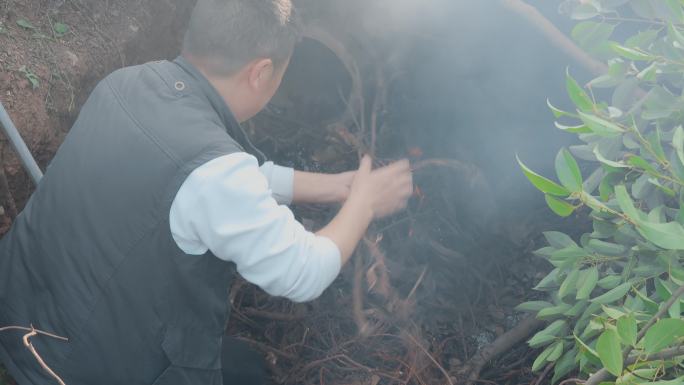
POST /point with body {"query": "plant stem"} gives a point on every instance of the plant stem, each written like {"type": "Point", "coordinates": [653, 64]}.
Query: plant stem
{"type": "Point", "coordinates": [602, 374]}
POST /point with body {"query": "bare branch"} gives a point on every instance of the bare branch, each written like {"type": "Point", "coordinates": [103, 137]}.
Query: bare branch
{"type": "Point", "coordinates": [500, 345]}
{"type": "Point", "coordinates": [32, 332]}
{"type": "Point", "coordinates": [556, 36]}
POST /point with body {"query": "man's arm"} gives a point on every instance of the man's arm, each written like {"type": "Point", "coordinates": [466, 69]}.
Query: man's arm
{"type": "Point", "coordinates": [291, 186]}
{"type": "Point", "coordinates": [226, 206]}
{"type": "Point", "coordinates": [321, 188]}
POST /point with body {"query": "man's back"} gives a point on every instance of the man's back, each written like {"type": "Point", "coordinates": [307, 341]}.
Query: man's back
{"type": "Point", "coordinates": [92, 258]}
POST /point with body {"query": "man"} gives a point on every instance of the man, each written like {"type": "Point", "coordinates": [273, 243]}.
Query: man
{"type": "Point", "coordinates": [129, 243]}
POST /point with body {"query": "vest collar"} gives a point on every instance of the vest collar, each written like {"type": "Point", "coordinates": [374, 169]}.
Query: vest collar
{"type": "Point", "coordinates": [231, 124]}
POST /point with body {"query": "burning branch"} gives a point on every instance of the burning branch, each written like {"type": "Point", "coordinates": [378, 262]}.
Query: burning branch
{"type": "Point", "coordinates": [32, 332]}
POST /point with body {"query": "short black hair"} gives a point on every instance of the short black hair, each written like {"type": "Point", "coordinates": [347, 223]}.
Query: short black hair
{"type": "Point", "coordinates": [228, 34]}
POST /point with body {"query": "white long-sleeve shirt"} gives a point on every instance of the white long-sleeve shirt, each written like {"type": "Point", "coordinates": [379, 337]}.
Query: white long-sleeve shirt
{"type": "Point", "coordinates": [231, 207]}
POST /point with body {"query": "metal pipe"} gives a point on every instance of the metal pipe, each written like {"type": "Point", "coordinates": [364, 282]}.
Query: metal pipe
{"type": "Point", "coordinates": [19, 146]}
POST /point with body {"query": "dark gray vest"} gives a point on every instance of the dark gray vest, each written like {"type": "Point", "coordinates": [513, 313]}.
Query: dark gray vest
{"type": "Point", "coordinates": [92, 258]}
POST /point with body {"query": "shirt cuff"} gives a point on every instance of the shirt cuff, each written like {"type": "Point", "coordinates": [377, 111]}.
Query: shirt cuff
{"type": "Point", "coordinates": [282, 184]}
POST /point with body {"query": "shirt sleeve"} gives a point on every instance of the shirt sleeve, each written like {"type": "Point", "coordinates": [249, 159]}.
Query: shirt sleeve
{"type": "Point", "coordinates": [226, 206]}
{"type": "Point", "coordinates": [280, 180]}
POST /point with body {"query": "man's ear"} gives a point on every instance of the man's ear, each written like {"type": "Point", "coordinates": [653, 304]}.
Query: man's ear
{"type": "Point", "coordinates": [261, 73]}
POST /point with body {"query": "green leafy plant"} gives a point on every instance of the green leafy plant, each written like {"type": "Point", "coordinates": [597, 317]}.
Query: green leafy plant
{"type": "Point", "coordinates": [23, 23]}
{"type": "Point", "coordinates": [614, 306]}
{"type": "Point", "coordinates": [60, 29]}
{"type": "Point", "coordinates": [30, 76]}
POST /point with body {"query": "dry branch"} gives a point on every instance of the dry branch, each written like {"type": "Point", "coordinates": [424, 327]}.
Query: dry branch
{"type": "Point", "coordinates": [32, 332]}
{"type": "Point", "coordinates": [502, 344]}
{"type": "Point", "coordinates": [556, 36]}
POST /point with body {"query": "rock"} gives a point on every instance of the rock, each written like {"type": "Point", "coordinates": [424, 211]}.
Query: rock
{"type": "Point", "coordinates": [71, 57]}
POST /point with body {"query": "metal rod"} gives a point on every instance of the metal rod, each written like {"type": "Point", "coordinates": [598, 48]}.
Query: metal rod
{"type": "Point", "coordinates": [19, 146]}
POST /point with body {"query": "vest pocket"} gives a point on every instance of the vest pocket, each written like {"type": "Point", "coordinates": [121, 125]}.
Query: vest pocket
{"type": "Point", "coordinates": [194, 357]}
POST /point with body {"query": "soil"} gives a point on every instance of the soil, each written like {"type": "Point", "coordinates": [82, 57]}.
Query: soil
{"type": "Point", "coordinates": [429, 289]}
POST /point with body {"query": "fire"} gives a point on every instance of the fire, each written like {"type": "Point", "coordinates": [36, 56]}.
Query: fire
{"type": "Point", "coordinates": [415, 152]}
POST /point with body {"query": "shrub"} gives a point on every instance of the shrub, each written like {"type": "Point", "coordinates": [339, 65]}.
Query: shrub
{"type": "Point", "coordinates": [613, 296]}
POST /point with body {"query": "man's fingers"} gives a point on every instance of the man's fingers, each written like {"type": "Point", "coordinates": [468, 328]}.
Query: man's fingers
{"type": "Point", "coordinates": [365, 165]}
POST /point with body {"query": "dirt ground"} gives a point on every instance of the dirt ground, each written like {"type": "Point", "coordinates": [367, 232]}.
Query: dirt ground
{"type": "Point", "coordinates": [426, 292]}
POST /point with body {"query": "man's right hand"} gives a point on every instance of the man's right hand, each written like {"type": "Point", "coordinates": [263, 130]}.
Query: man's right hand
{"type": "Point", "coordinates": [374, 194]}
{"type": "Point", "coordinates": [385, 190]}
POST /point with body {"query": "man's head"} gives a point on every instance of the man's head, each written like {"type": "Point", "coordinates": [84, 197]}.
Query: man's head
{"type": "Point", "coordinates": [243, 47]}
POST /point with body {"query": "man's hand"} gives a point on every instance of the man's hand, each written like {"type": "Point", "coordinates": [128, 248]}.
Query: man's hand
{"type": "Point", "coordinates": [373, 194]}
{"type": "Point", "coordinates": [386, 190]}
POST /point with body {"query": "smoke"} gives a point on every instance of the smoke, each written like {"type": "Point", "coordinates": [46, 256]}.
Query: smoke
{"type": "Point", "coordinates": [470, 80]}
{"type": "Point", "coordinates": [477, 80]}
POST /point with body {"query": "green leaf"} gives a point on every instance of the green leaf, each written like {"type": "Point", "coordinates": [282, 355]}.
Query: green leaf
{"type": "Point", "coordinates": [556, 352]}
{"type": "Point", "coordinates": [568, 256]}
{"type": "Point", "coordinates": [632, 54]}
{"type": "Point", "coordinates": [587, 282]}
{"type": "Point", "coordinates": [541, 359]}
{"type": "Point", "coordinates": [555, 328]}
{"type": "Point", "coordinates": [25, 24]}
{"type": "Point", "coordinates": [662, 290]}
{"type": "Point", "coordinates": [584, 11]}
{"type": "Point", "coordinates": [585, 348]}
{"type": "Point", "coordinates": [669, 236]}
{"type": "Point", "coordinates": [678, 143]}
{"type": "Point", "coordinates": [549, 334]}
{"type": "Point", "coordinates": [664, 333]}
{"type": "Point", "coordinates": [600, 126]}
{"type": "Point", "coordinates": [641, 163]}
{"type": "Point", "coordinates": [533, 306]}
{"type": "Point", "coordinates": [561, 208]}
{"type": "Point", "coordinates": [627, 330]}
{"type": "Point", "coordinates": [542, 184]}
{"type": "Point", "coordinates": [675, 311]}
{"type": "Point", "coordinates": [670, 192]}
{"type": "Point", "coordinates": [655, 141]}
{"type": "Point", "coordinates": [568, 171]}
{"type": "Point", "coordinates": [613, 295]}
{"type": "Point", "coordinates": [540, 340]}
{"type": "Point", "coordinates": [577, 309]}
{"type": "Point", "coordinates": [650, 73]}
{"type": "Point", "coordinates": [548, 282]}
{"type": "Point", "coordinates": [564, 365]}
{"type": "Point", "coordinates": [625, 202]}
{"type": "Point", "coordinates": [60, 29]}
{"type": "Point", "coordinates": [609, 282]}
{"type": "Point", "coordinates": [569, 285]}
{"type": "Point", "coordinates": [607, 162]}
{"type": "Point", "coordinates": [607, 248]}
{"type": "Point", "coordinates": [676, 36]}
{"type": "Point", "coordinates": [592, 36]}
{"type": "Point", "coordinates": [553, 312]}
{"type": "Point", "coordinates": [557, 112]}
{"type": "Point", "coordinates": [581, 129]}
{"type": "Point", "coordinates": [559, 240]}
{"type": "Point", "coordinates": [577, 94]}
{"type": "Point", "coordinates": [612, 313]}
{"type": "Point", "coordinates": [608, 349]}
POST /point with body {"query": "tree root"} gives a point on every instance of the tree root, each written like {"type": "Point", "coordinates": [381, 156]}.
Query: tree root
{"type": "Point", "coordinates": [502, 344]}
